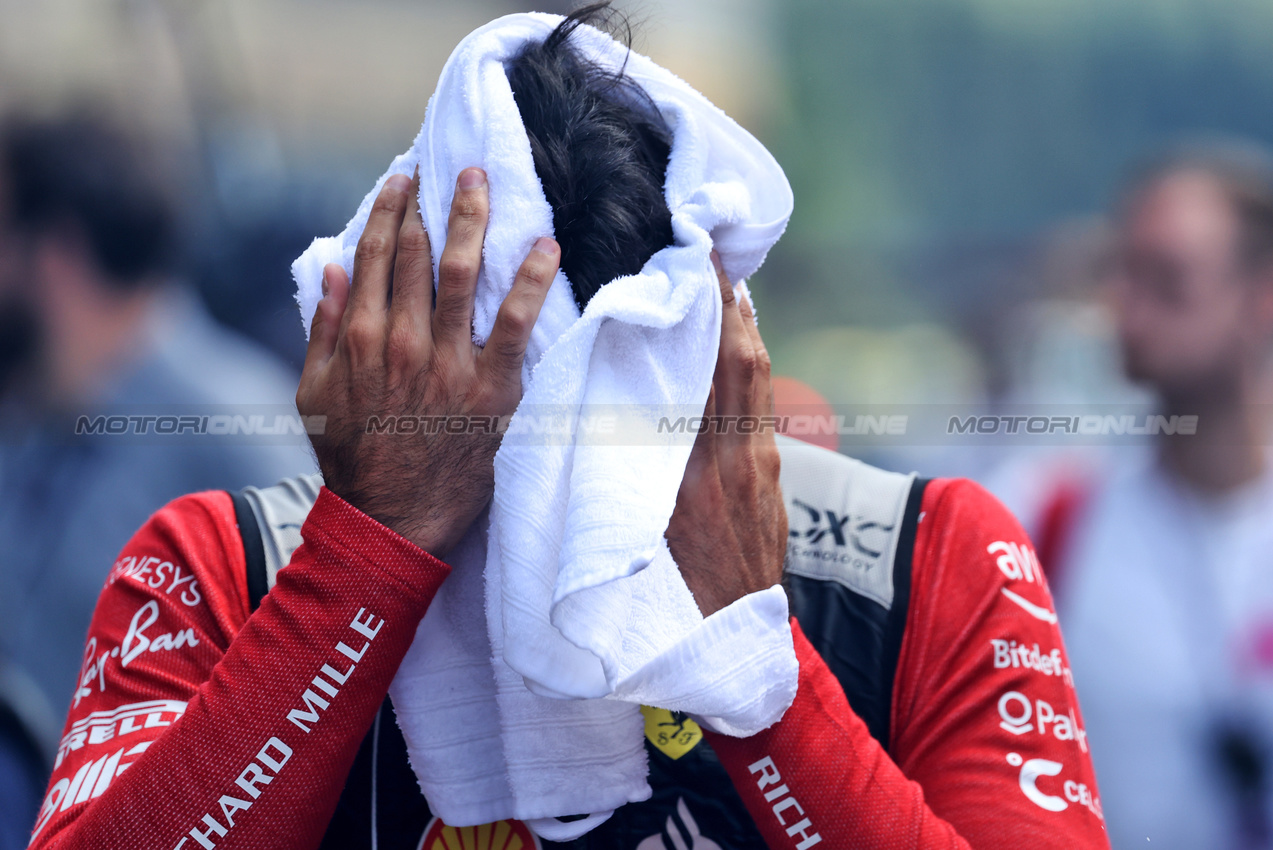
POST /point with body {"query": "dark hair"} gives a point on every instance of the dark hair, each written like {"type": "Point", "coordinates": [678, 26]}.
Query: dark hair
{"type": "Point", "coordinates": [82, 171]}
{"type": "Point", "coordinates": [1244, 173]}
{"type": "Point", "coordinates": [601, 152]}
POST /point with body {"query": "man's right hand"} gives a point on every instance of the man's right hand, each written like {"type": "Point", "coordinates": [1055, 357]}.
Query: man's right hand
{"type": "Point", "coordinates": [381, 347]}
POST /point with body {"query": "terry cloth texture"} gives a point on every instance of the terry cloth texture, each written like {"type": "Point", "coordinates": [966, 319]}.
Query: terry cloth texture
{"type": "Point", "coordinates": [520, 696]}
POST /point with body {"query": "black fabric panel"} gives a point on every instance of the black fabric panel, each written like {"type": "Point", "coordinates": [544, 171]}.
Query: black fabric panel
{"type": "Point", "coordinates": [698, 781]}
{"type": "Point", "coordinates": [253, 551]}
{"type": "Point", "coordinates": [860, 639]}
{"type": "Point", "coordinates": [402, 815]}
{"type": "Point", "coordinates": [847, 630]}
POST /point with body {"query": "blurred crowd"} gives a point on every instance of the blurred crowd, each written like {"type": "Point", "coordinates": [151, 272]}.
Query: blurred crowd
{"type": "Point", "coordinates": [1140, 304]}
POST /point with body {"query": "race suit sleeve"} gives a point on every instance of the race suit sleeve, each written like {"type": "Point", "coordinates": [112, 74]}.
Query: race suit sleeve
{"type": "Point", "coordinates": [988, 745]}
{"type": "Point", "coordinates": [195, 725]}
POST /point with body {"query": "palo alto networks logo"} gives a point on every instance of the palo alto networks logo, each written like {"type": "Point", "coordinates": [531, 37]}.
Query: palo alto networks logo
{"type": "Point", "coordinates": [501, 835]}
{"type": "Point", "coordinates": [866, 537]}
{"type": "Point", "coordinates": [1018, 715]}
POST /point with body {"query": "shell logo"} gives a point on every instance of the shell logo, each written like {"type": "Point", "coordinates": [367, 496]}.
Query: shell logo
{"type": "Point", "coordinates": [501, 835]}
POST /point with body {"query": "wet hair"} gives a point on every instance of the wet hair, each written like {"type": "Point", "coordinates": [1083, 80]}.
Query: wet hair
{"type": "Point", "coordinates": [1244, 173]}
{"type": "Point", "coordinates": [83, 172]}
{"type": "Point", "coordinates": [600, 150]}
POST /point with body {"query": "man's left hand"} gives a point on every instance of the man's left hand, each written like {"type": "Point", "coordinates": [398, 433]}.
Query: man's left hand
{"type": "Point", "coordinates": [728, 533]}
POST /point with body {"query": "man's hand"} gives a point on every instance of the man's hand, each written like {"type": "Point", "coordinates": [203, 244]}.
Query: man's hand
{"type": "Point", "coordinates": [728, 533]}
{"type": "Point", "coordinates": [381, 347]}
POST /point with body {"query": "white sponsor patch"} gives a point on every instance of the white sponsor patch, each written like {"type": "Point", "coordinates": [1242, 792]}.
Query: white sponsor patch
{"type": "Point", "coordinates": [88, 783]}
{"type": "Point", "coordinates": [1032, 770]}
{"type": "Point", "coordinates": [158, 574]}
{"type": "Point", "coordinates": [1017, 561]}
{"type": "Point", "coordinates": [1018, 714]}
{"type": "Point", "coordinates": [1036, 611]}
{"type": "Point", "coordinates": [786, 808]}
{"type": "Point", "coordinates": [102, 726]}
{"type": "Point", "coordinates": [136, 641]}
{"type": "Point", "coordinates": [1008, 654]}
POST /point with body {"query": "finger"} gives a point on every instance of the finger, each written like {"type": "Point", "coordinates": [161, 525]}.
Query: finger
{"type": "Point", "coordinates": [506, 346]}
{"type": "Point", "coordinates": [736, 359]}
{"type": "Point", "coordinates": [411, 300]}
{"type": "Point", "coordinates": [748, 316]}
{"type": "Point", "coordinates": [762, 394]}
{"type": "Point", "coordinates": [373, 258]}
{"type": "Point", "coordinates": [460, 263]}
{"type": "Point", "coordinates": [700, 472]}
{"type": "Point", "coordinates": [324, 329]}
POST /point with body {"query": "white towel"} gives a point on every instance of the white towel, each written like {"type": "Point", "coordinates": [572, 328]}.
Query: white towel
{"type": "Point", "coordinates": [519, 697]}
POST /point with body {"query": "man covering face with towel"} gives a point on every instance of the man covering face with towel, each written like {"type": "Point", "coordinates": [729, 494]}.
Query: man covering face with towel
{"type": "Point", "coordinates": [577, 680]}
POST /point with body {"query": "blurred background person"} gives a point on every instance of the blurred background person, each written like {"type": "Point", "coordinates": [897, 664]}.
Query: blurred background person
{"type": "Point", "coordinates": [28, 733]}
{"type": "Point", "coordinates": [1161, 556]}
{"type": "Point", "coordinates": [96, 321]}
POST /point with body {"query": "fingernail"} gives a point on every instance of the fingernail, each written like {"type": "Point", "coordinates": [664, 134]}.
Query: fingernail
{"type": "Point", "coordinates": [544, 245]}
{"type": "Point", "coordinates": [328, 271]}
{"type": "Point", "coordinates": [716, 262]}
{"type": "Point", "coordinates": [472, 178]}
{"type": "Point", "coordinates": [398, 182]}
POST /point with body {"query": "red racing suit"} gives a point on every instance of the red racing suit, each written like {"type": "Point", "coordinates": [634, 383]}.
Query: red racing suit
{"type": "Point", "coordinates": [199, 722]}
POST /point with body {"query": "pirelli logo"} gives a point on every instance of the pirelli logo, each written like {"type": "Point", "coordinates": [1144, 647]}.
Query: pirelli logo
{"type": "Point", "coordinates": [102, 726]}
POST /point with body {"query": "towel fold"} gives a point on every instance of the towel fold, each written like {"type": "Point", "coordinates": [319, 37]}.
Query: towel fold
{"type": "Point", "coordinates": [520, 695]}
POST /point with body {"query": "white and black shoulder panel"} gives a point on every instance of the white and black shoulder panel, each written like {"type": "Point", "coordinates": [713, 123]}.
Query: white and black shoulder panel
{"type": "Point", "coordinates": [851, 532]}
{"type": "Point", "coordinates": [270, 520]}
{"type": "Point", "coordinates": [848, 563]}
